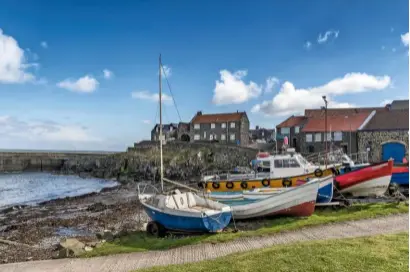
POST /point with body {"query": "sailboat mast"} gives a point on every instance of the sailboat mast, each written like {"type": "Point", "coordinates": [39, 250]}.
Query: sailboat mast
{"type": "Point", "coordinates": [160, 125]}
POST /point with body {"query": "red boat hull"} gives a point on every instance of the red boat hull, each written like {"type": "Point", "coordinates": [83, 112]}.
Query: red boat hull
{"type": "Point", "coordinates": [364, 174]}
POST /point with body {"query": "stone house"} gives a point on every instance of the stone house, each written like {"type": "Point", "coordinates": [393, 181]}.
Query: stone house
{"type": "Point", "coordinates": [290, 128]}
{"type": "Point", "coordinates": [168, 130]}
{"type": "Point", "coordinates": [229, 128]}
{"type": "Point", "coordinates": [261, 134]}
{"type": "Point", "coordinates": [392, 125]}
{"type": "Point", "coordinates": [341, 132]}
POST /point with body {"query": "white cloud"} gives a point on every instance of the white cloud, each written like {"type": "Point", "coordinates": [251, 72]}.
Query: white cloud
{"type": "Point", "coordinates": [86, 84]}
{"type": "Point", "coordinates": [405, 39]}
{"type": "Point", "coordinates": [44, 44]}
{"type": "Point", "coordinates": [271, 82]}
{"type": "Point", "coordinates": [145, 95]}
{"type": "Point", "coordinates": [43, 131]}
{"type": "Point", "coordinates": [385, 102]}
{"type": "Point", "coordinates": [290, 100]}
{"type": "Point", "coordinates": [231, 89]}
{"type": "Point", "coordinates": [166, 71]}
{"type": "Point", "coordinates": [328, 34]}
{"type": "Point", "coordinates": [147, 122]}
{"type": "Point", "coordinates": [108, 74]}
{"type": "Point", "coordinates": [13, 64]}
{"type": "Point", "coordinates": [307, 45]}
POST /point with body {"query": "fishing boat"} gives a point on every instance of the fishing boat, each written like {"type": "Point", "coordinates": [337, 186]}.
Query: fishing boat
{"type": "Point", "coordinates": [296, 201]}
{"type": "Point", "coordinates": [186, 212]}
{"type": "Point", "coordinates": [275, 171]}
{"type": "Point", "coordinates": [372, 180]}
{"type": "Point", "coordinates": [400, 175]}
{"type": "Point", "coordinates": [324, 195]}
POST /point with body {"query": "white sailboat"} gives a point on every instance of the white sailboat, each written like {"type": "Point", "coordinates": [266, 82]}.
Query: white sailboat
{"type": "Point", "coordinates": [182, 211]}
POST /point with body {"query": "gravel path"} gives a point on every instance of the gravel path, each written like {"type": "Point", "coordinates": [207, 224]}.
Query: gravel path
{"type": "Point", "coordinates": [131, 261]}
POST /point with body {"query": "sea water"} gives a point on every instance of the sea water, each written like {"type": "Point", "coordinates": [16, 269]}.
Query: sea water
{"type": "Point", "coordinates": [33, 188]}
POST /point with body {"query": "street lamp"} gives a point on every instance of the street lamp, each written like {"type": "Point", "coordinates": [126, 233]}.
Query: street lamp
{"type": "Point", "coordinates": [324, 99]}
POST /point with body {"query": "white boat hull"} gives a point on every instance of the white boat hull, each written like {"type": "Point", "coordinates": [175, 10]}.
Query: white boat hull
{"type": "Point", "coordinates": [373, 187]}
{"type": "Point", "coordinates": [297, 201]}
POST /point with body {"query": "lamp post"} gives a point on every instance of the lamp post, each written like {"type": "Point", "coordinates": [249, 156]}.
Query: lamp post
{"type": "Point", "coordinates": [350, 135]}
{"type": "Point", "coordinates": [324, 99]}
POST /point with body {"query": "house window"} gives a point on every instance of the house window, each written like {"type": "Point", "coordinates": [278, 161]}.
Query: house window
{"type": "Point", "coordinates": [329, 136]}
{"type": "Point", "coordinates": [232, 137]}
{"type": "Point", "coordinates": [170, 129]}
{"type": "Point", "coordinates": [223, 125]}
{"type": "Point", "coordinates": [204, 134]}
{"type": "Point", "coordinates": [212, 125]}
{"type": "Point", "coordinates": [197, 126]}
{"type": "Point", "coordinates": [311, 149]}
{"type": "Point", "coordinates": [223, 137]}
{"type": "Point", "coordinates": [285, 130]}
{"type": "Point", "coordinates": [211, 137]}
{"type": "Point", "coordinates": [297, 128]}
{"type": "Point", "coordinates": [215, 138]}
{"type": "Point", "coordinates": [232, 124]}
{"type": "Point", "coordinates": [197, 137]}
{"type": "Point", "coordinates": [308, 138]}
{"type": "Point", "coordinates": [318, 137]}
{"type": "Point", "coordinates": [337, 136]}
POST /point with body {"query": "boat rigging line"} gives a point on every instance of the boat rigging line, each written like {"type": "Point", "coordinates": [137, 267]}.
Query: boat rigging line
{"type": "Point", "coordinates": [170, 90]}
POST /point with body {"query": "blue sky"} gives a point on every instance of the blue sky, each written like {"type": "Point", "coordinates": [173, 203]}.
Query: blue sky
{"type": "Point", "coordinates": [269, 58]}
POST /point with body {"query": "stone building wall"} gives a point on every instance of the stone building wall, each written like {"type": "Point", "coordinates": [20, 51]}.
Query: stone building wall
{"type": "Point", "coordinates": [374, 140]}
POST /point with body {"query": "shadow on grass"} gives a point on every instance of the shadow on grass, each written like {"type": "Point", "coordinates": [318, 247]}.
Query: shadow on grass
{"type": "Point", "coordinates": [140, 241]}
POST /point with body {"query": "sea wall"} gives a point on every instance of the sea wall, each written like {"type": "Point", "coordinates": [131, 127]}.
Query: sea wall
{"type": "Point", "coordinates": [42, 161]}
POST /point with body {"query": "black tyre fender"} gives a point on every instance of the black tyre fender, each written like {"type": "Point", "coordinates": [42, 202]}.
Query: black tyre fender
{"type": "Point", "coordinates": [229, 185]}
{"type": "Point", "coordinates": [244, 185]}
{"type": "Point", "coordinates": [318, 173]}
{"type": "Point", "coordinates": [286, 182]}
{"type": "Point", "coordinates": [216, 185]}
{"type": "Point", "coordinates": [265, 183]}
{"type": "Point", "coordinates": [156, 229]}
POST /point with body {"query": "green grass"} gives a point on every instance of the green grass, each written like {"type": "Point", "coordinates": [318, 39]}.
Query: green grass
{"type": "Point", "coordinates": [384, 253]}
{"type": "Point", "coordinates": [140, 241]}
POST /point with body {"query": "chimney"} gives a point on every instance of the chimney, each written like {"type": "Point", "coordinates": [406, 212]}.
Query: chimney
{"type": "Point", "coordinates": [257, 127]}
{"type": "Point", "coordinates": [237, 111]}
{"type": "Point", "coordinates": [199, 113]}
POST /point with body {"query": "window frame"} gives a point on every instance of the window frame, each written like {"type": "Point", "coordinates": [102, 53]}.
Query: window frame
{"type": "Point", "coordinates": [320, 137]}
{"type": "Point", "coordinates": [311, 137]}
{"type": "Point", "coordinates": [197, 126]}
{"type": "Point", "coordinates": [232, 125]}
{"type": "Point", "coordinates": [234, 137]}
{"type": "Point", "coordinates": [197, 137]}
{"type": "Point", "coordinates": [212, 125]}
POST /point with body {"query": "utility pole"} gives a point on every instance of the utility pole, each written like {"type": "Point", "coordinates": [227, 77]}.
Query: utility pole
{"type": "Point", "coordinates": [324, 99]}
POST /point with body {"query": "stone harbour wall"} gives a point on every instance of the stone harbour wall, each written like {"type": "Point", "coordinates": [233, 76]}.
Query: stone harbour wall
{"type": "Point", "coordinates": [374, 140]}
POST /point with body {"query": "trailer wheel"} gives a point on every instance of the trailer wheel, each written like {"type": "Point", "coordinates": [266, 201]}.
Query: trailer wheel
{"type": "Point", "coordinates": [156, 229]}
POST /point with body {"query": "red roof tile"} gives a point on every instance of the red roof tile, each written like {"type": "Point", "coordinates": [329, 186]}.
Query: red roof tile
{"type": "Point", "coordinates": [217, 117]}
{"type": "Point", "coordinates": [319, 113]}
{"type": "Point", "coordinates": [336, 123]}
{"type": "Point", "coordinates": [292, 121]}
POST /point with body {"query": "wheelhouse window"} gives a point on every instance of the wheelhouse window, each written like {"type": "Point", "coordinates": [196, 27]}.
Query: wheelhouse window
{"type": "Point", "coordinates": [266, 163]}
{"type": "Point", "coordinates": [293, 163]}
{"type": "Point", "coordinates": [278, 163]}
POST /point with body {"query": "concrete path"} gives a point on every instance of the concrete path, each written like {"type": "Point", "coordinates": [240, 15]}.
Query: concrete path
{"type": "Point", "coordinates": [132, 261]}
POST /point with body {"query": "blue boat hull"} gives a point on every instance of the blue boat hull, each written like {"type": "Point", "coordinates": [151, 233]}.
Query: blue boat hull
{"type": "Point", "coordinates": [400, 178]}
{"type": "Point", "coordinates": [176, 222]}
{"type": "Point", "coordinates": [325, 192]}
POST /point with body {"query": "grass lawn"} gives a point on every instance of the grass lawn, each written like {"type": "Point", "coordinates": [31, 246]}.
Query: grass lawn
{"type": "Point", "coordinates": [140, 241]}
{"type": "Point", "coordinates": [384, 253]}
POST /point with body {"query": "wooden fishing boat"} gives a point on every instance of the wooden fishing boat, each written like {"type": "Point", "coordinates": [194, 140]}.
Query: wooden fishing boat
{"type": "Point", "coordinates": [296, 201]}
{"type": "Point", "coordinates": [372, 180]}
{"type": "Point", "coordinates": [400, 175]}
{"type": "Point", "coordinates": [276, 171]}
{"type": "Point", "coordinates": [185, 212]}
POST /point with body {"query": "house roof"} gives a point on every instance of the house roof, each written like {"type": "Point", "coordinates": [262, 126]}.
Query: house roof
{"type": "Point", "coordinates": [389, 120]}
{"type": "Point", "coordinates": [319, 113]}
{"type": "Point", "coordinates": [350, 122]}
{"type": "Point", "coordinates": [166, 127]}
{"type": "Point", "coordinates": [292, 121]}
{"type": "Point", "coordinates": [399, 104]}
{"type": "Point", "coordinates": [217, 117]}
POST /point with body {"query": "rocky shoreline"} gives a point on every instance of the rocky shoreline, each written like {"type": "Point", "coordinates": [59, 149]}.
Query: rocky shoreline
{"type": "Point", "coordinates": [35, 232]}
